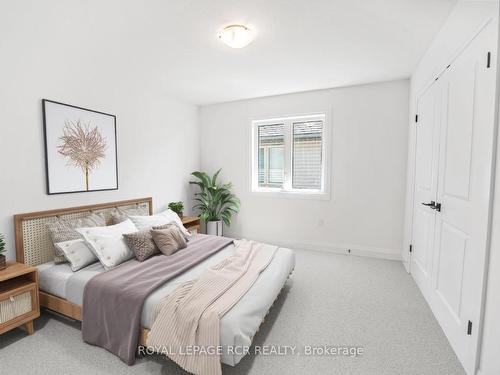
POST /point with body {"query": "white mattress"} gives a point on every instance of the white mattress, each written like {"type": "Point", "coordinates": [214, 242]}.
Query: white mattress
{"type": "Point", "coordinates": [237, 326]}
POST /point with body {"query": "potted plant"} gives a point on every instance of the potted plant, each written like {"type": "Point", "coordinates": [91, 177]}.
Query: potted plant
{"type": "Point", "coordinates": [3, 263]}
{"type": "Point", "coordinates": [215, 202]}
{"type": "Point", "coordinates": [177, 207]}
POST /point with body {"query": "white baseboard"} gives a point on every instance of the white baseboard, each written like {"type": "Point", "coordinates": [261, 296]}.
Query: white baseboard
{"type": "Point", "coordinates": [346, 249]}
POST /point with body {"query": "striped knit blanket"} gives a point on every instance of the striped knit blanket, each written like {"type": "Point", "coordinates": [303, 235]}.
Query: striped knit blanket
{"type": "Point", "coordinates": [190, 316]}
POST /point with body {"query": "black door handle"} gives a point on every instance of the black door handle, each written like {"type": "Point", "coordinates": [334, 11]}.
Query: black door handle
{"type": "Point", "coordinates": [431, 205]}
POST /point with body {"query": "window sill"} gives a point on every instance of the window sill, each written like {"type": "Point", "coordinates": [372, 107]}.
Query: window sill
{"type": "Point", "coordinates": [287, 194]}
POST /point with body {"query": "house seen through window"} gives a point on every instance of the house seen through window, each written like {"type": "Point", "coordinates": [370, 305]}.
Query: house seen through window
{"type": "Point", "coordinates": [289, 154]}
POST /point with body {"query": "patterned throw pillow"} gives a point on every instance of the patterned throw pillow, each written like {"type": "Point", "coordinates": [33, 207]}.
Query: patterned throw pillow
{"type": "Point", "coordinates": [142, 244]}
{"type": "Point", "coordinates": [120, 214]}
{"type": "Point", "coordinates": [169, 240]}
{"type": "Point", "coordinates": [166, 217]}
{"type": "Point", "coordinates": [170, 225]}
{"type": "Point", "coordinates": [64, 230]}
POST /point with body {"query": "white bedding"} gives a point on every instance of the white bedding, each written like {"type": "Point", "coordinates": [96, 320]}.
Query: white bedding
{"type": "Point", "coordinates": [237, 327]}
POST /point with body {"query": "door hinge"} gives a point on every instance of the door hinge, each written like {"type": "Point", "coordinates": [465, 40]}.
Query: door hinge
{"type": "Point", "coordinates": [411, 248]}
{"type": "Point", "coordinates": [416, 118]}
{"type": "Point", "coordinates": [488, 60]}
{"type": "Point", "coordinates": [469, 328]}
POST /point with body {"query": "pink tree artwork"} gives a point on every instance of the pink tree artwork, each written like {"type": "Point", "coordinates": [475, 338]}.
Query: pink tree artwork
{"type": "Point", "coordinates": [83, 146]}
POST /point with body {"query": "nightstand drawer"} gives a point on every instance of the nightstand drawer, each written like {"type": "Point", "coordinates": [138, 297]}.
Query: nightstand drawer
{"type": "Point", "coordinates": [17, 303]}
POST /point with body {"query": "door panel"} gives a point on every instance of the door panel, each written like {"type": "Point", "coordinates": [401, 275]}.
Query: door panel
{"type": "Point", "coordinates": [460, 92]}
{"type": "Point", "coordinates": [424, 232]}
{"type": "Point", "coordinates": [454, 153]}
{"type": "Point", "coordinates": [450, 268]}
{"type": "Point", "coordinates": [426, 150]}
{"type": "Point", "coordinates": [465, 159]}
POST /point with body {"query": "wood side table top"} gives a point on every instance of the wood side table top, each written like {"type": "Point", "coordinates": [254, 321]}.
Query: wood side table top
{"type": "Point", "coordinates": [15, 269]}
{"type": "Point", "coordinates": [190, 220]}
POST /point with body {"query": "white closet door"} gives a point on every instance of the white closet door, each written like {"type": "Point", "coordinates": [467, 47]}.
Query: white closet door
{"type": "Point", "coordinates": [426, 168]}
{"type": "Point", "coordinates": [465, 157]}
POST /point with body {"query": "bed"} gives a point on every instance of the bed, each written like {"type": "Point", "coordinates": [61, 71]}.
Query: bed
{"type": "Point", "coordinates": [62, 290]}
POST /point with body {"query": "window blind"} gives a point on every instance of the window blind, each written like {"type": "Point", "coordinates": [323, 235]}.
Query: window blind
{"type": "Point", "coordinates": [307, 154]}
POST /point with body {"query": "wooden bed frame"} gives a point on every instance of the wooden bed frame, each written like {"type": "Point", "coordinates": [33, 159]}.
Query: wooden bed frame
{"type": "Point", "coordinates": [34, 247]}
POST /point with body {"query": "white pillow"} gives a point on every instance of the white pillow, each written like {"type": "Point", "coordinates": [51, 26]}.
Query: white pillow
{"type": "Point", "coordinates": [165, 217]}
{"type": "Point", "coordinates": [77, 253]}
{"type": "Point", "coordinates": [108, 244]}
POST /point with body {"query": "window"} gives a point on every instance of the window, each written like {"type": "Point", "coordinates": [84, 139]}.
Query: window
{"type": "Point", "coordinates": [289, 155]}
{"type": "Point", "coordinates": [271, 155]}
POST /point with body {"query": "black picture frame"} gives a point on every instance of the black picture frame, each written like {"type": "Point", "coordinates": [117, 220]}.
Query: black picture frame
{"type": "Point", "coordinates": [45, 134]}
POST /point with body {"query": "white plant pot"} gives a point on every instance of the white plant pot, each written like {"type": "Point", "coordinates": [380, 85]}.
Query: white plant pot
{"type": "Point", "coordinates": [214, 228]}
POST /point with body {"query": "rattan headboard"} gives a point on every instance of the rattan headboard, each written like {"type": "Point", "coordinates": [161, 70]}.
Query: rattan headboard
{"type": "Point", "coordinates": [33, 243]}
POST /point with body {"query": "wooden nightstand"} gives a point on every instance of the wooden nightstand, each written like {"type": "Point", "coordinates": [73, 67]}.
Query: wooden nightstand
{"type": "Point", "coordinates": [192, 223]}
{"type": "Point", "coordinates": [19, 301]}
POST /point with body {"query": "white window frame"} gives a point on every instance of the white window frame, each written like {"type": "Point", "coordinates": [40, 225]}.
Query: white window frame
{"type": "Point", "coordinates": [287, 191]}
{"type": "Point", "coordinates": [267, 152]}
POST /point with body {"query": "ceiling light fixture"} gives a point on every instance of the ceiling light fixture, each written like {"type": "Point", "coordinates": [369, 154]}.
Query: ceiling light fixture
{"type": "Point", "coordinates": [236, 36]}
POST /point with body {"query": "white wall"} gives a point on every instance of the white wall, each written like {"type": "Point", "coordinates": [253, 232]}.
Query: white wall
{"type": "Point", "coordinates": [46, 52]}
{"type": "Point", "coordinates": [464, 21]}
{"type": "Point", "coordinates": [369, 153]}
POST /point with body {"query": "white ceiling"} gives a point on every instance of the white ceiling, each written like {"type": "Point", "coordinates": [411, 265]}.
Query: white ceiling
{"type": "Point", "coordinates": [300, 44]}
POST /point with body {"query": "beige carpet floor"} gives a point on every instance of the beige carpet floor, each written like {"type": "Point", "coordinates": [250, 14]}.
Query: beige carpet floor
{"type": "Point", "coordinates": [332, 300]}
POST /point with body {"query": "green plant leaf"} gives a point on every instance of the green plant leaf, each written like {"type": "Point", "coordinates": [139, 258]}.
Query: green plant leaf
{"type": "Point", "coordinates": [177, 207]}
{"type": "Point", "coordinates": [2, 244]}
{"type": "Point", "coordinates": [214, 201]}
{"type": "Point", "coordinates": [214, 178]}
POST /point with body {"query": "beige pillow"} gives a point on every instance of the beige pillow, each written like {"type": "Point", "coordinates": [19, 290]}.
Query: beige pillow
{"type": "Point", "coordinates": [64, 230]}
{"type": "Point", "coordinates": [119, 215]}
{"type": "Point", "coordinates": [169, 240]}
{"type": "Point", "coordinates": [142, 244]}
{"type": "Point", "coordinates": [165, 217]}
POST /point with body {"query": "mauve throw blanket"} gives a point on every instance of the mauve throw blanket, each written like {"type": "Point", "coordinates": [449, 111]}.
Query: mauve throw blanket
{"type": "Point", "coordinates": [113, 300]}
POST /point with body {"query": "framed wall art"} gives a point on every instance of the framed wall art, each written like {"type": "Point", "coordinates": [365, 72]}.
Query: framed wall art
{"type": "Point", "coordinates": [80, 149]}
